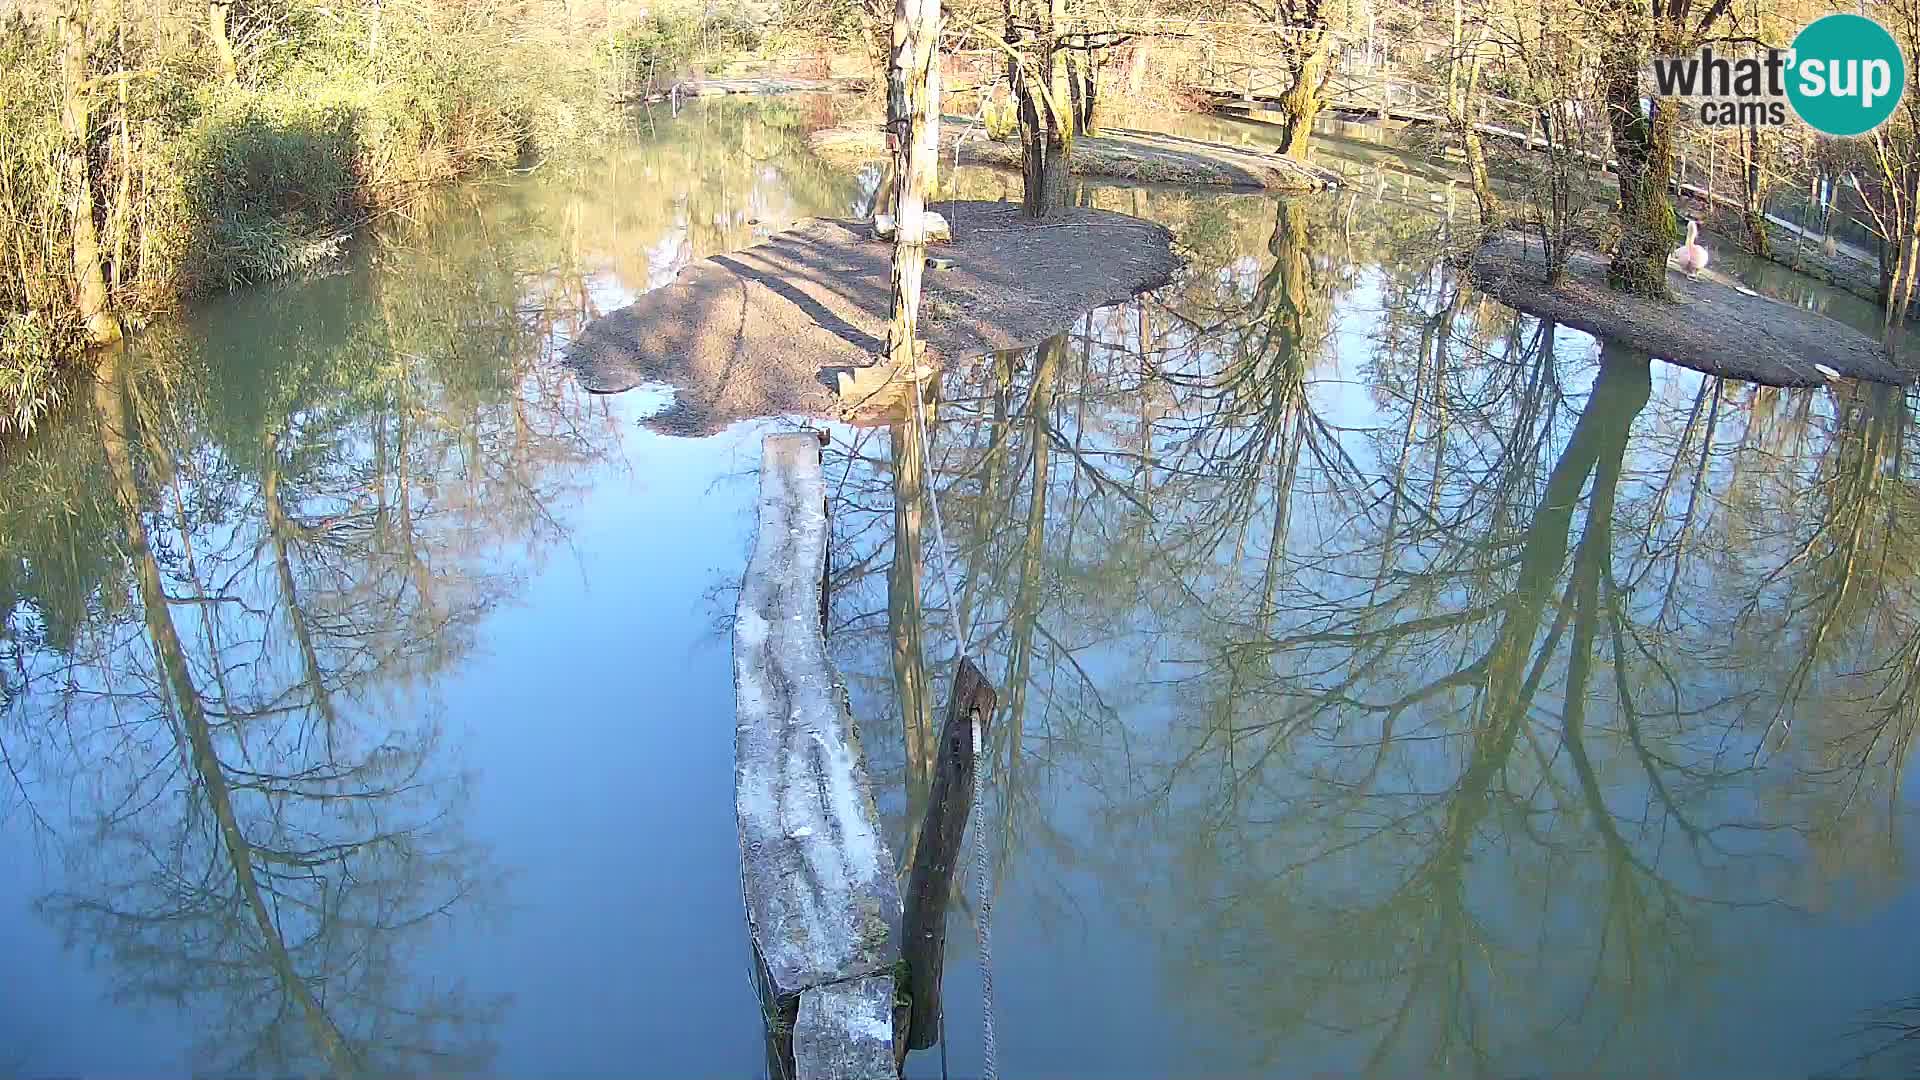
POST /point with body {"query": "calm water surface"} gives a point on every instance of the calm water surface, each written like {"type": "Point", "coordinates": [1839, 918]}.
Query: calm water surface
{"type": "Point", "coordinates": [1391, 683]}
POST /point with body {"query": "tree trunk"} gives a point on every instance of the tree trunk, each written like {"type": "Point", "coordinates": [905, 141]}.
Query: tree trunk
{"type": "Point", "coordinates": [1137, 67]}
{"type": "Point", "coordinates": [217, 11]}
{"type": "Point", "coordinates": [1076, 89]}
{"type": "Point", "coordinates": [915, 33]}
{"type": "Point", "coordinates": [1044, 171]}
{"type": "Point", "coordinates": [89, 276]}
{"type": "Point", "coordinates": [1460, 91]}
{"type": "Point", "coordinates": [927, 120]}
{"type": "Point", "coordinates": [1059, 74]}
{"type": "Point", "coordinates": [1754, 195]}
{"type": "Point", "coordinates": [1046, 116]}
{"type": "Point", "coordinates": [1898, 250]}
{"type": "Point", "coordinates": [115, 421]}
{"type": "Point", "coordinates": [1300, 105]}
{"type": "Point", "coordinates": [1643, 146]}
{"type": "Point", "coordinates": [1083, 75]}
{"type": "Point", "coordinates": [121, 213]}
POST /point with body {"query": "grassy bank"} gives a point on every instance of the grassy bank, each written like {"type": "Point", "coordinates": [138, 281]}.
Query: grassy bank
{"type": "Point", "coordinates": [157, 150]}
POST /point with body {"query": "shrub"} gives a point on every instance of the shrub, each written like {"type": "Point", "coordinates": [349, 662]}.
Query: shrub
{"type": "Point", "coordinates": [199, 184]}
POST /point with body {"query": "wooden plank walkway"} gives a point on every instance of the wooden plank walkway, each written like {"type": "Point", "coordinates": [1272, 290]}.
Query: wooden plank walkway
{"type": "Point", "coordinates": [1248, 80]}
{"type": "Point", "coordinates": [823, 907]}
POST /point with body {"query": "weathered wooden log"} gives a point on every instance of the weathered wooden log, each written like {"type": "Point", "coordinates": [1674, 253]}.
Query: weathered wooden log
{"type": "Point", "coordinates": [924, 936]}
{"type": "Point", "coordinates": [822, 904]}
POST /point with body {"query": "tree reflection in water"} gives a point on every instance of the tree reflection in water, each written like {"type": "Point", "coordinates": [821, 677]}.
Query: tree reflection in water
{"type": "Point", "coordinates": [225, 722]}
{"type": "Point", "coordinates": [1426, 682]}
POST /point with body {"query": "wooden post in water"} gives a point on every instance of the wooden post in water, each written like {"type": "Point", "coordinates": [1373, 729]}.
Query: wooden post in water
{"type": "Point", "coordinates": [924, 930]}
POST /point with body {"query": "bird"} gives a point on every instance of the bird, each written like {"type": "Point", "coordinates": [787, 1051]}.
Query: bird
{"type": "Point", "coordinates": [1692, 255]}
{"type": "Point", "coordinates": [1827, 373]}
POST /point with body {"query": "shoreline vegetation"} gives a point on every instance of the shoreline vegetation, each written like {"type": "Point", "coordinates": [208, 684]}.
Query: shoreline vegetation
{"type": "Point", "coordinates": [157, 151]}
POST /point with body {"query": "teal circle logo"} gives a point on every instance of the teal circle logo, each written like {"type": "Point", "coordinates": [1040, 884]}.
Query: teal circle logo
{"type": "Point", "coordinates": [1846, 75]}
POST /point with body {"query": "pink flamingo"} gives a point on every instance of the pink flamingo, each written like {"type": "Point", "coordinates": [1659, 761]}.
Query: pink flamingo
{"type": "Point", "coordinates": [1692, 255]}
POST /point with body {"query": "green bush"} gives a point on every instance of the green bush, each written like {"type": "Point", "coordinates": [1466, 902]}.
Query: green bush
{"type": "Point", "coordinates": [669, 44]}
{"type": "Point", "coordinates": [201, 185]}
{"type": "Point", "coordinates": [266, 179]}
{"type": "Point", "coordinates": [30, 344]}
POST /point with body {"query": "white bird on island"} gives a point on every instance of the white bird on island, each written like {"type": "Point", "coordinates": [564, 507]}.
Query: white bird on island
{"type": "Point", "coordinates": [1692, 255]}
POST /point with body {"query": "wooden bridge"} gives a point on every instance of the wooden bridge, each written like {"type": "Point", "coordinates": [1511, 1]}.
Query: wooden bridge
{"type": "Point", "coordinates": [1244, 73]}
{"type": "Point", "coordinates": [1248, 77]}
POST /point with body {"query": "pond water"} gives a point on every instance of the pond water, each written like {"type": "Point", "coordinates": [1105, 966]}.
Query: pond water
{"type": "Point", "coordinates": [1391, 684]}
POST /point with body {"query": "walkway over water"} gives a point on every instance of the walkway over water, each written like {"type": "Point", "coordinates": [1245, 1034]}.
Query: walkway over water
{"type": "Point", "coordinates": [1244, 71]}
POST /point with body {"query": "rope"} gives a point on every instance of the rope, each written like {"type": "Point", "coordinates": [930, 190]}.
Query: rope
{"type": "Point", "coordinates": [961, 643]}
{"type": "Point", "coordinates": [982, 880]}
{"type": "Point", "coordinates": [983, 924]}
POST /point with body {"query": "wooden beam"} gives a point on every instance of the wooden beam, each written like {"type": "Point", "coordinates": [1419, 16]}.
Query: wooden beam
{"type": "Point", "coordinates": [823, 905]}
{"type": "Point", "coordinates": [924, 934]}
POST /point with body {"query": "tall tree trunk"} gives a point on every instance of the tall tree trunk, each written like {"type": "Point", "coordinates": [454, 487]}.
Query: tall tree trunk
{"type": "Point", "coordinates": [1300, 104]}
{"type": "Point", "coordinates": [89, 275]}
{"type": "Point", "coordinates": [915, 35]}
{"type": "Point", "coordinates": [1083, 80]}
{"type": "Point", "coordinates": [217, 12]}
{"type": "Point", "coordinates": [1753, 194]}
{"type": "Point", "coordinates": [1902, 250]}
{"type": "Point", "coordinates": [1046, 114]}
{"type": "Point", "coordinates": [1643, 146]}
{"type": "Point", "coordinates": [1461, 85]}
{"type": "Point", "coordinates": [1899, 225]}
{"type": "Point", "coordinates": [1047, 110]}
{"type": "Point", "coordinates": [1046, 151]}
{"type": "Point", "coordinates": [121, 214]}
{"type": "Point", "coordinates": [1137, 67]}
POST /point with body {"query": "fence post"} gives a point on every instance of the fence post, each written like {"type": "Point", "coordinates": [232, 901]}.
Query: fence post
{"type": "Point", "coordinates": [924, 930]}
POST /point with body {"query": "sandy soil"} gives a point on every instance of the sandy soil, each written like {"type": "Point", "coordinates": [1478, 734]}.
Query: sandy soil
{"type": "Point", "coordinates": [1709, 326]}
{"type": "Point", "coordinates": [766, 331]}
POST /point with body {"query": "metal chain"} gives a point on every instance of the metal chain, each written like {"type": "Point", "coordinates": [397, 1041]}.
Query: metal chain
{"type": "Point", "coordinates": [983, 921]}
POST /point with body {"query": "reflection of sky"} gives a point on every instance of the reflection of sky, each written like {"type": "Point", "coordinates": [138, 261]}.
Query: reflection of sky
{"type": "Point", "coordinates": [1117, 950]}
{"type": "Point", "coordinates": [667, 257]}
{"type": "Point", "coordinates": [580, 717]}
{"type": "Point", "coordinates": [594, 715]}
